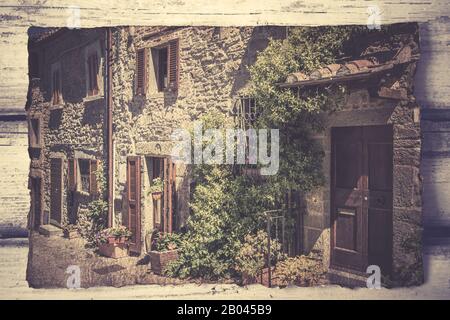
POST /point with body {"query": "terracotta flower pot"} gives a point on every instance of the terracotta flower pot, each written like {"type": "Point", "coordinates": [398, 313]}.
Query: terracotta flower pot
{"type": "Point", "coordinates": [112, 240]}
{"type": "Point", "coordinates": [156, 195]}
{"type": "Point", "coordinates": [160, 259]}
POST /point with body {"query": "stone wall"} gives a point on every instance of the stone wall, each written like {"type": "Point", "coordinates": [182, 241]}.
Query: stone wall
{"type": "Point", "coordinates": [14, 165]}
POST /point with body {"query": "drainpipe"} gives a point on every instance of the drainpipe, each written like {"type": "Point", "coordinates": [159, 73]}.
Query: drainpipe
{"type": "Point", "coordinates": [109, 124]}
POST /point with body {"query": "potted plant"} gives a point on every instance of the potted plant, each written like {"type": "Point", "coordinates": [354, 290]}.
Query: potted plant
{"type": "Point", "coordinates": [71, 231]}
{"type": "Point", "coordinates": [165, 250]}
{"type": "Point", "coordinates": [156, 188]}
{"type": "Point", "coordinates": [112, 242]}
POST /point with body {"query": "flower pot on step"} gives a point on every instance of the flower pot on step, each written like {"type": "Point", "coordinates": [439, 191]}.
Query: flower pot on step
{"type": "Point", "coordinates": [160, 259]}
{"type": "Point", "coordinates": [113, 250]}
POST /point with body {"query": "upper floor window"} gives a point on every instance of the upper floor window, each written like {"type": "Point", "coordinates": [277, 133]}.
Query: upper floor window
{"type": "Point", "coordinates": [245, 111]}
{"type": "Point", "coordinates": [93, 69]}
{"type": "Point", "coordinates": [56, 86]}
{"type": "Point", "coordinates": [164, 68]}
{"type": "Point", "coordinates": [92, 76]}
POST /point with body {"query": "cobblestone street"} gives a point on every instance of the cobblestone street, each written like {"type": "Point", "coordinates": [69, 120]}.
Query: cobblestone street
{"type": "Point", "coordinates": [13, 260]}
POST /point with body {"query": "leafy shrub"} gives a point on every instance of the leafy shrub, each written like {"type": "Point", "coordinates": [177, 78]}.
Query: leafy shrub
{"type": "Point", "coordinates": [300, 270]}
{"type": "Point", "coordinates": [92, 220]}
{"type": "Point", "coordinates": [252, 256]}
{"type": "Point", "coordinates": [156, 185]}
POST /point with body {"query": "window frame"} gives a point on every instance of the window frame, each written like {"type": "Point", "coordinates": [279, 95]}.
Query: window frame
{"type": "Point", "coordinates": [91, 50]}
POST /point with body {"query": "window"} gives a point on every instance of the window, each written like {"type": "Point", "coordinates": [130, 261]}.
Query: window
{"type": "Point", "coordinates": [85, 179]}
{"type": "Point", "coordinates": [165, 65]}
{"type": "Point", "coordinates": [245, 111]}
{"type": "Point", "coordinates": [56, 87]}
{"type": "Point", "coordinates": [92, 81]}
{"type": "Point", "coordinates": [164, 68]}
{"type": "Point", "coordinates": [83, 176]}
{"type": "Point", "coordinates": [35, 133]}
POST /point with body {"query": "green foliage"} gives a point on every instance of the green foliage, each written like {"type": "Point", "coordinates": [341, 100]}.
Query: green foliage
{"type": "Point", "coordinates": [252, 256]}
{"type": "Point", "coordinates": [92, 220]}
{"type": "Point", "coordinates": [300, 270]}
{"type": "Point", "coordinates": [116, 232]}
{"type": "Point", "coordinates": [156, 185]}
{"type": "Point", "coordinates": [167, 241]}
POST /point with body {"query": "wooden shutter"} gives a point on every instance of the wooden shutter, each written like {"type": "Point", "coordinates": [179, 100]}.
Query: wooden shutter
{"type": "Point", "coordinates": [93, 185]}
{"type": "Point", "coordinates": [56, 187]}
{"type": "Point", "coordinates": [134, 202]}
{"type": "Point", "coordinates": [169, 195]}
{"type": "Point", "coordinates": [141, 74]}
{"type": "Point", "coordinates": [173, 64]}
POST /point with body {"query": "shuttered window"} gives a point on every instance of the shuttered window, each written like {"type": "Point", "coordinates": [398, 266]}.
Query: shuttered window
{"type": "Point", "coordinates": [56, 187]}
{"type": "Point", "coordinates": [141, 70]}
{"type": "Point", "coordinates": [93, 68]}
{"type": "Point", "coordinates": [166, 65]}
{"type": "Point", "coordinates": [83, 175]}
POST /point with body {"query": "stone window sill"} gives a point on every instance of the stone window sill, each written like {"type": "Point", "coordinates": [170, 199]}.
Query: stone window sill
{"type": "Point", "coordinates": [56, 107]}
{"type": "Point", "coordinates": [93, 98]}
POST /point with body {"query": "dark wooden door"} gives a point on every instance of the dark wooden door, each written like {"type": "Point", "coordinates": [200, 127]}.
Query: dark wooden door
{"type": "Point", "coordinates": [361, 196]}
{"type": "Point", "coordinates": [56, 187]}
{"type": "Point", "coordinates": [134, 202]}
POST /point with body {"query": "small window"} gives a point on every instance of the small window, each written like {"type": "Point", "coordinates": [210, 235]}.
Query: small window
{"type": "Point", "coordinates": [35, 133]}
{"type": "Point", "coordinates": [56, 87]}
{"type": "Point", "coordinates": [245, 111]}
{"type": "Point", "coordinates": [93, 68]}
{"type": "Point", "coordinates": [85, 177]}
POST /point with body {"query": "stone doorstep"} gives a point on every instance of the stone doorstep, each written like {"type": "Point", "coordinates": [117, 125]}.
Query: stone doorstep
{"type": "Point", "coordinates": [50, 230]}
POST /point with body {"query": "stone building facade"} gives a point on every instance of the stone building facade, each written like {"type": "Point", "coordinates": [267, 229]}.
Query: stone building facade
{"type": "Point", "coordinates": [154, 80]}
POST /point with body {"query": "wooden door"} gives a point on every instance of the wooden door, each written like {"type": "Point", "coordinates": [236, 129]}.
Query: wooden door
{"type": "Point", "coordinates": [56, 187]}
{"type": "Point", "coordinates": [361, 196]}
{"type": "Point", "coordinates": [134, 202]}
